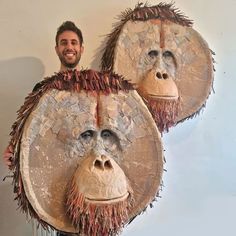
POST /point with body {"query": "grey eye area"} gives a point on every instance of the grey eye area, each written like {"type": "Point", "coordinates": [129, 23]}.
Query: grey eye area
{"type": "Point", "coordinates": [106, 134]}
{"type": "Point", "coordinates": [169, 59]}
{"type": "Point", "coordinates": [168, 54]}
{"type": "Point", "coordinates": [110, 141]}
{"type": "Point", "coordinates": [87, 135]}
{"type": "Point", "coordinates": [153, 53]}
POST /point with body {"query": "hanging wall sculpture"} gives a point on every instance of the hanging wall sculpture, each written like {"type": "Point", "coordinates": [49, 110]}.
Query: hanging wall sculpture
{"type": "Point", "coordinates": [88, 156]}
{"type": "Point", "coordinates": [156, 48]}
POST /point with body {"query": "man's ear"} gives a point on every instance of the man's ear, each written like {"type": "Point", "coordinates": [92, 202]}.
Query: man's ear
{"type": "Point", "coordinates": [82, 49]}
{"type": "Point", "coordinates": [56, 49]}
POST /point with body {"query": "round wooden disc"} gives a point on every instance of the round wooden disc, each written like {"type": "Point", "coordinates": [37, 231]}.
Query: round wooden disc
{"type": "Point", "coordinates": [51, 149]}
{"type": "Point", "coordinates": [192, 68]}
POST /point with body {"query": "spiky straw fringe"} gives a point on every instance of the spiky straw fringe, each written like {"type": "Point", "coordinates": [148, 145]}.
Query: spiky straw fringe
{"type": "Point", "coordinates": [96, 219]}
{"type": "Point", "coordinates": [73, 80]}
{"type": "Point", "coordinates": [141, 12]}
{"type": "Point", "coordinates": [164, 112]}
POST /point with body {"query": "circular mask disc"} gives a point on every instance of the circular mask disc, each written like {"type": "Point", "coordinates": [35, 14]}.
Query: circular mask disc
{"type": "Point", "coordinates": [51, 148]}
{"type": "Point", "coordinates": [173, 50]}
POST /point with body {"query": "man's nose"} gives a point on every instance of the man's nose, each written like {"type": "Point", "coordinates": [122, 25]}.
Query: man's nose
{"type": "Point", "coordinates": [69, 46]}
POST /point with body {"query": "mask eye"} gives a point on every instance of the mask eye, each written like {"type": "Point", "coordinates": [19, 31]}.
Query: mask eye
{"type": "Point", "coordinates": [153, 54]}
{"type": "Point", "coordinates": [106, 134]}
{"type": "Point", "coordinates": [168, 54]}
{"type": "Point", "coordinates": [169, 59]}
{"type": "Point", "coordinates": [87, 135]}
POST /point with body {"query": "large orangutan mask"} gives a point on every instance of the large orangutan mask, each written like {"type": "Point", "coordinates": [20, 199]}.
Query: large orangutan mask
{"type": "Point", "coordinates": [168, 61]}
{"type": "Point", "coordinates": [89, 161]}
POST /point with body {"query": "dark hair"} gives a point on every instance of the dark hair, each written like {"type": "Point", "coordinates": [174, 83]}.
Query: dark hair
{"type": "Point", "coordinates": [69, 26]}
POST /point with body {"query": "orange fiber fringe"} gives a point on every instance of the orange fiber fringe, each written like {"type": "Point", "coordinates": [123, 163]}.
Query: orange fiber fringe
{"type": "Point", "coordinates": [164, 112]}
{"type": "Point", "coordinates": [96, 219]}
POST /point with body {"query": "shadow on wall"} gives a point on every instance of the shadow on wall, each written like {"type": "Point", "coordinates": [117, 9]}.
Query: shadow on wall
{"type": "Point", "coordinates": [17, 76]}
{"type": "Point", "coordinates": [12, 221]}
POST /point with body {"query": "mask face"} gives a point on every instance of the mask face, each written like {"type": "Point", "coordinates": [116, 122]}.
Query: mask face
{"type": "Point", "coordinates": [90, 160]}
{"type": "Point", "coordinates": [168, 61]}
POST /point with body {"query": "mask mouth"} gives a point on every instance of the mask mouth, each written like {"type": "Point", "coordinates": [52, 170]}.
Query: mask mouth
{"type": "Point", "coordinates": [164, 97]}
{"type": "Point", "coordinates": [108, 201]}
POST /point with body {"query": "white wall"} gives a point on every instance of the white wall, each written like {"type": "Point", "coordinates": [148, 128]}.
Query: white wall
{"type": "Point", "coordinates": [199, 197]}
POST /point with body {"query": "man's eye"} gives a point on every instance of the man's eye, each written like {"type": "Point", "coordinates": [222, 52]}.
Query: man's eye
{"type": "Point", "coordinates": [106, 134]}
{"type": "Point", "coordinates": [87, 135]}
{"type": "Point", "coordinates": [74, 42]}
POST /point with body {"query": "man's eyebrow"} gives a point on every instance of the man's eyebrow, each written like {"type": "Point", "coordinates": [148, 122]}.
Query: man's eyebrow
{"type": "Point", "coordinates": [63, 40]}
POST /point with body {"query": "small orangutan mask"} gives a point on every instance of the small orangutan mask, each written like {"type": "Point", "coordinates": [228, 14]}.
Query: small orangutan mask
{"type": "Point", "coordinates": [170, 64]}
{"type": "Point", "coordinates": [89, 161]}
{"type": "Point", "coordinates": [160, 93]}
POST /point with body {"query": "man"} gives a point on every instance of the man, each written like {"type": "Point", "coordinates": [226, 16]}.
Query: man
{"type": "Point", "coordinates": [69, 48]}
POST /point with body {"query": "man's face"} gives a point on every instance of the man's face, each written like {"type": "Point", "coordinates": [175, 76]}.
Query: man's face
{"type": "Point", "coordinates": [69, 49]}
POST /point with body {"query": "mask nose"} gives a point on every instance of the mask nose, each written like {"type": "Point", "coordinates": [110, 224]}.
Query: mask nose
{"type": "Point", "coordinates": [160, 75]}
{"type": "Point", "coordinates": [102, 163]}
{"type": "Point", "coordinates": [161, 72]}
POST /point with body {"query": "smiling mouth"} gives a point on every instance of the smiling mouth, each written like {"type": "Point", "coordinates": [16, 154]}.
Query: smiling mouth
{"type": "Point", "coordinates": [69, 54]}
{"type": "Point", "coordinates": [111, 200]}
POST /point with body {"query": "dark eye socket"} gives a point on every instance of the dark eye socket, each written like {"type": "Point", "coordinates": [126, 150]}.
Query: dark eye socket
{"type": "Point", "coordinates": [87, 134]}
{"type": "Point", "coordinates": [153, 53]}
{"type": "Point", "coordinates": [167, 54]}
{"type": "Point", "coordinates": [106, 133]}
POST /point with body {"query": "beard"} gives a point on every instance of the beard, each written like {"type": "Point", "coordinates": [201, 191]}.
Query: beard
{"type": "Point", "coordinates": [69, 64]}
{"type": "Point", "coordinates": [94, 219]}
{"type": "Point", "coordinates": [164, 112]}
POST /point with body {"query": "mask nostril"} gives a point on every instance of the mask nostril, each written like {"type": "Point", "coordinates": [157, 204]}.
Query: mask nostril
{"type": "Point", "coordinates": [158, 75]}
{"type": "Point", "coordinates": [108, 165]}
{"type": "Point", "coordinates": [98, 164]}
{"type": "Point", "coordinates": [165, 76]}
